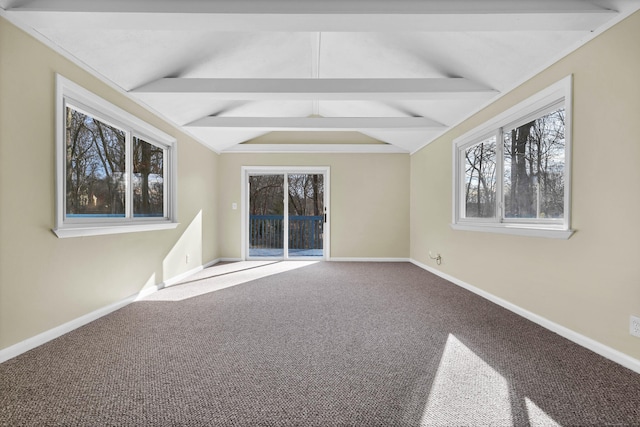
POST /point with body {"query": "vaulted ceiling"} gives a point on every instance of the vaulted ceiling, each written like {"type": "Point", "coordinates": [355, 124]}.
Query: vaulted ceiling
{"type": "Point", "coordinates": [387, 76]}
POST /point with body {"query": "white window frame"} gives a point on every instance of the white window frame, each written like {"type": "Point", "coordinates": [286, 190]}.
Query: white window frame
{"type": "Point", "coordinates": [553, 97]}
{"type": "Point", "coordinates": [80, 99]}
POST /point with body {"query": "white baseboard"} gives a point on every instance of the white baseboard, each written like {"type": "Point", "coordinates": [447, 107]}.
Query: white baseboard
{"type": "Point", "coordinates": [346, 259]}
{"type": "Point", "coordinates": [595, 346]}
{"type": "Point", "coordinates": [591, 344]}
{"type": "Point", "coordinates": [176, 279]}
{"type": "Point", "coordinates": [148, 291]}
{"type": "Point", "coordinates": [35, 341]}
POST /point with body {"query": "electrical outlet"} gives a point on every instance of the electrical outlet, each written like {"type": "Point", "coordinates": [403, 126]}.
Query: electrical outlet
{"type": "Point", "coordinates": [634, 326]}
{"type": "Point", "coordinates": [437, 258]}
{"type": "Point", "coordinates": [186, 259]}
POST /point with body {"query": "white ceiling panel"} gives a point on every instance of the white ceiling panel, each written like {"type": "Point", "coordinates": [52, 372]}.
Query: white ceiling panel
{"type": "Point", "coordinates": [275, 62]}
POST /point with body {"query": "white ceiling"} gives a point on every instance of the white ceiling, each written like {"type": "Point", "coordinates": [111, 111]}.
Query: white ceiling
{"type": "Point", "coordinates": [399, 71]}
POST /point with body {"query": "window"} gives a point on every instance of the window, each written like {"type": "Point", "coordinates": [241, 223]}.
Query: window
{"type": "Point", "coordinates": [511, 174]}
{"type": "Point", "coordinates": [115, 172]}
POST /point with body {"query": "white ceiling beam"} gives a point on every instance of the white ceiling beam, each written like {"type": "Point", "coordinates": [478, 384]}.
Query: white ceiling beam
{"type": "Point", "coordinates": [318, 123]}
{"type": "Point", "coordinates": [316, 148]}
{"type": "Point", "coordinates": [321, 89]}
{"type": "Point", "coordinates": [313, 15]}
{"type": "Point", "coordinates": [316, 41]}
{"type": "Point", "coordinates": [305, 6]}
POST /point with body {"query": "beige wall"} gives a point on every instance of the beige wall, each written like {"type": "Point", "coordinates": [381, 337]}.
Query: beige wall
{"type": "Point", "coordinates": [591, 282]}
{"type": "Point", "coordinates": [46, 281]}
{"type": "Point", "coordinates": [369, 201]}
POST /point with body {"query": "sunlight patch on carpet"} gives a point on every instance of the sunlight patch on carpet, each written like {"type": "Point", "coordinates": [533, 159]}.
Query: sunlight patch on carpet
{"type": "Point", "coordinates": [224, 276]}
{"type": "Point", "coordinates": [466, 390]}
{"type": "Point", "coordinates": [537, 417]}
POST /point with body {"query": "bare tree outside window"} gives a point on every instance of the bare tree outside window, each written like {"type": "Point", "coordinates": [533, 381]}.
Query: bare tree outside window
{"type": "Point", "coordinates": [534, 159]}
{"type": "Point", "coordinates": [95, 167]}
{"type": "Point", "coordinates": [480, 180]}
{"type": "Point", "coordinates": [266, 194]}
{"type": "Point", "coordinates": [148, 179]}
{"type": "Point", "coordinates": [306, 194]}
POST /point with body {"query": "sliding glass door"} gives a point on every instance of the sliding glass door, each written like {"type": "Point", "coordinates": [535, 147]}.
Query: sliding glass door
{"type": "Point", "coordinates": [287, 216]}
{"type": "Point", "coordinates": [266, 214]}
{"type": "Point", "coordinates": [305, 214]}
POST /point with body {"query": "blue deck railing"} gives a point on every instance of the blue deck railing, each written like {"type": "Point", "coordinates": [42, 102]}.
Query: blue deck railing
{"type": "Point", "coordinates": [266, 231]}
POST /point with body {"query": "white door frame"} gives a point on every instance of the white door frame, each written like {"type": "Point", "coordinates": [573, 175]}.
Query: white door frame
{"type": "Point", "coordinates": [277, 170]}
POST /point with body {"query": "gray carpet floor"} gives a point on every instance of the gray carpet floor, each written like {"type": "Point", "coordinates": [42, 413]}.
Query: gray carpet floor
{"type": "Point", "coordinates": [326, 344]}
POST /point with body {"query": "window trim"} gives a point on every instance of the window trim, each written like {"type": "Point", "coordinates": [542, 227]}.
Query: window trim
{"type": "Point", "coordinates": [68, 92]}
{"type": "Point", "coordinates": [560, 92]}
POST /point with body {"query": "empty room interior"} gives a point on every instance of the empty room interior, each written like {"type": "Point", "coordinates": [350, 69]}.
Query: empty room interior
{"type": "Point", "coordinates": [316, 213]}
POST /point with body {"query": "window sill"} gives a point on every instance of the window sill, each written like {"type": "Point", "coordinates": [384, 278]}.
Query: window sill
{"type": "Point", "coordinates": [517, 230]}
{"type": "Point", "coordinates": [87, 230]}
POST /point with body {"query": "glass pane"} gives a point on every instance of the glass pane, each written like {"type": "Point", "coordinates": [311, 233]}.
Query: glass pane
{"type": "Point", "coordinates": [266, 215]}
{"type": "Point", "coordinates": [148, 179]}
{"type": "Point", "coordinates": [95, 167]}
{"type": "Point", "coordinates": [534, 168]}
{"type": "Point", "coordinates": [480, 180]}
{"type": "Point", "coordinates": [306, 214]}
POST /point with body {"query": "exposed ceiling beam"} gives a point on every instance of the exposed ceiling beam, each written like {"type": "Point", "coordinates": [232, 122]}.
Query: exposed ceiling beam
{"type": "Point", "coordinates": [306, 6]}
{"type": "Point", "coordinates": [315, 148]}
{"type": "Point", "coordinates": [316, 41]}
{"type": "Point", "coordinates": [322, 89]}
{"type": "Point", "coordinates": [319, 123]}
{"type": "Point", "coordinates": [313, 15]}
